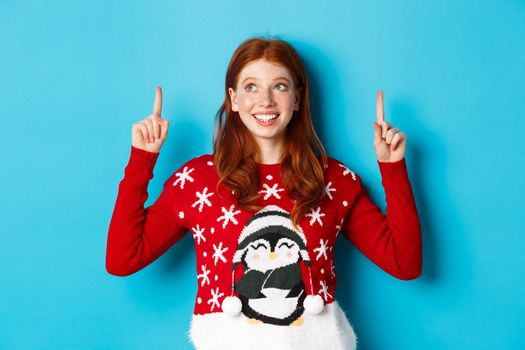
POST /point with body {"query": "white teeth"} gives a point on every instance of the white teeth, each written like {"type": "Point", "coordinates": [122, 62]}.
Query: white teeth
{"type": "Point", "coordinates": [266, 117]}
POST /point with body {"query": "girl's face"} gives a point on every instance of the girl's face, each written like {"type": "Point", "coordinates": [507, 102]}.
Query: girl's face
{"type": "Point", "coordinates": [265, 98]}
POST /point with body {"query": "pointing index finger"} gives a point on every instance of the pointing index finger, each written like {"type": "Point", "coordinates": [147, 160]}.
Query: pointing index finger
{"type": "Point", "coordinates": [157, 106]}
{"type": "Point", "coordinates": [380, 112]}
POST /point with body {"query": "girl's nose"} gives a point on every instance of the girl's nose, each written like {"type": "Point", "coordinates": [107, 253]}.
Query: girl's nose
{"type": "Point", "coordinates": [265, 98]}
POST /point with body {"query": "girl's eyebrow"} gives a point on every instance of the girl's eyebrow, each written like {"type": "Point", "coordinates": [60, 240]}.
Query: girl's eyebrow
{"type": "Point", "coordinates": [253, 78]}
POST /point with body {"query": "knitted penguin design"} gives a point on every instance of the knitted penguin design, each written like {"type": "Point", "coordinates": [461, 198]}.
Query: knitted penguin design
{"type": "Point", "coordinates": [272, 288]}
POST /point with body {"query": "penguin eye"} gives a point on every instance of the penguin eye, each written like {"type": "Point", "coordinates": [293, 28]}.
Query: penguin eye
{"type": "Point", "coordinates": [288, 245]}
{"type": "Point", "coordinates": [258, 245]}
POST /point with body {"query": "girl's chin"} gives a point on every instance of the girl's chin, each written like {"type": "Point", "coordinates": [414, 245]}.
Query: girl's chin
{"type": "Point", "coordinates": [268, 136]}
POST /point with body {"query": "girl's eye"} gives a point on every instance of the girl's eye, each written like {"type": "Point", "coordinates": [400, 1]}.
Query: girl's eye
{"type": "Point", "coordinates": [278, 87]}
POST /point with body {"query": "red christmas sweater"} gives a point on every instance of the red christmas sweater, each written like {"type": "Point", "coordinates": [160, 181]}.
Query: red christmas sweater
{"type": "Point", "coordinates": [257, 263]}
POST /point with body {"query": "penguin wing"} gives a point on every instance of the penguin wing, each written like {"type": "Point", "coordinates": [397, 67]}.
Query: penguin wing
{"type": "Point", "coordinates": [296, 290]}
{"type": "Point", "coordinates": [285, 277]}
{"type": "Point", "coordinates": [250, 284]}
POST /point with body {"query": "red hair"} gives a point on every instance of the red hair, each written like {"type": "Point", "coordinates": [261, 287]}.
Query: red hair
{"type": "Point", "coordinates": [236, 151]}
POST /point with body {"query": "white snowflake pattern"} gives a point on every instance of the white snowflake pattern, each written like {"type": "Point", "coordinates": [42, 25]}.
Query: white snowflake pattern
{"type": "Point", "coordinates": [339, 227]}
{"type": "Point", "coordinates": [315, 216]}
{"type": "Point", "coordinates": [203, 199]}
{"type": "Point", "coordinates": [182, 177]}
{"type": "Point", "coordinates": [321, 250]}
{"type": "Point", "coordinates": [346, 171]}
{"type": "Point", "coordinates": [324, 290]}
{"type": "Point", "coordinates": [218, 253]}
{"type": "Point", "coordinates": [271, 191]}
{"type": "Point", "coordinates": [332, 268]}
{"type": "Point", "coordinates": [214, 300]}
{"type": "Point", "coordinates": [229, 215]}
{"type": "Point", "coordinates": [204, 275]}
{"type": "Point", "coordinates": [328, 188]}
{"type": "Point", "coordinates": [197, 233]}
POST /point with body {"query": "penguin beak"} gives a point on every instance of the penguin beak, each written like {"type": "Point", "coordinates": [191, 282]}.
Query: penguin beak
{"type": "Point", "coordinates": [272, 256]}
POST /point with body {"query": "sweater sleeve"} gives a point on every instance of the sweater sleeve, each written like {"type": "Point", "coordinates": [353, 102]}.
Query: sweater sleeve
{"type": "Point", "coordinates": [137, 235]}
{"type": "Point", "coordinates": [392, 242]}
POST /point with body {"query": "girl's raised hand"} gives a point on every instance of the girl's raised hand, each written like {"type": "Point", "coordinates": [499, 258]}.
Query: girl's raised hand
{"type": "Point", "coordinates": [390, 143]}
{"type": "Point", "coordinates": [149, 134]}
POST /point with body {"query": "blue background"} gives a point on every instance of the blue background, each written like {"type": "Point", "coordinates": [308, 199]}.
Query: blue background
{"type": "Point", "coordinates": [75, 76]}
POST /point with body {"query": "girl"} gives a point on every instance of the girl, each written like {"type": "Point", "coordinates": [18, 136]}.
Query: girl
{"type": "Point", "coordinates": [265, 209]}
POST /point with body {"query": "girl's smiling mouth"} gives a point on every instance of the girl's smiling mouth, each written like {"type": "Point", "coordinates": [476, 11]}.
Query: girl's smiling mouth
{"type": "Point", "coordinates": [265, 119]}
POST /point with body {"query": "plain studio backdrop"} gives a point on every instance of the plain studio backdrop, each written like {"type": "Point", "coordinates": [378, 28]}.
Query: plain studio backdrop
{"type": "Point", "coordinates": [75, 76]}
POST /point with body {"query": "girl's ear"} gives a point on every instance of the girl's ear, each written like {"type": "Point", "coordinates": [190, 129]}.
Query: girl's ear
{"type": "Point", "coordinates": [297, 102]}
{"type": "Point", "coordinates": [233, 99]}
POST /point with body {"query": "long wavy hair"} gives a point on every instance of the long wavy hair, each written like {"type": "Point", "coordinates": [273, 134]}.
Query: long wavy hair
{"type": "Point", "coordinates": [236, 151]}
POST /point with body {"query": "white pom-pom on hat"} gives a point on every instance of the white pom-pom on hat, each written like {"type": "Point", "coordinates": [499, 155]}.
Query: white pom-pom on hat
{"type": "Point", "coordinates": [313, 304]}
{"type": "Point", "coordinates": [231, 305]}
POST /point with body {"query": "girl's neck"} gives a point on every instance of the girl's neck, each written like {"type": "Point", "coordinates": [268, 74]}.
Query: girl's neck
{"type": "Point", "coordinates": [271, 151]}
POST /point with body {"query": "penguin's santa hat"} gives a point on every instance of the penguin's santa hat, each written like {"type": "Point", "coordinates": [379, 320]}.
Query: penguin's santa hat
{"type": "Point", "coordinates": [273, 217]}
